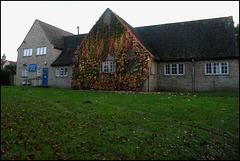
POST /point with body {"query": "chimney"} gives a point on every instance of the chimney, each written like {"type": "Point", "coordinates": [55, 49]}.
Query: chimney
{"type": "Point", "coordinates": [4, 57]}
{"type": "Point", "coordinates": [78, 29]}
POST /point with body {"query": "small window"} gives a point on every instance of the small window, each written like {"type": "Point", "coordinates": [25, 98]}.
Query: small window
{"type": "Point", "coordinates": [62, 72]}
{"type": "Point", "coordinates": [180, 69]}
{"type": "Point", "coordinates": [167, 69]}
{"type": "Point", "coordinates": [224, 68]}
{"type": "Point", "coordinates": [39, 72]}
{"type": "Point", "coordinates": [41, 50]}
{"type": "Point", "coordinates": [24, 73]}
{"type": "Point", "coordinates": [27, 52]}
{"type": "Point", "coordinates": [174, 69]}
{"type": "Point", "coordinates": [153, 68]}
{"type": "Point", "coordinates": [216, 68]}
{"type": "Point", "coordinates": [107, 66]}
{"type": "Point", "coordinates": [208, 68]}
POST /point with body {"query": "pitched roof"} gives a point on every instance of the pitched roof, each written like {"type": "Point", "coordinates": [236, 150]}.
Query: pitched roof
{"type": "Point", "coordinates": [70, 45]}
{"type": "Point", "coordinates": [55, 35]}
{"type": "Point", "coordinates": [201, 39]}
{"type": "Point", "coordinates": [7, 62]}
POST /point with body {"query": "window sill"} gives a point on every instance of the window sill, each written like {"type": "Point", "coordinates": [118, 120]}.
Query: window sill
{"type": "Point", "coordinates": [61, 76]}
{"type": "Point", "coordinates": [217, 74]}
{"type": "Point", "coordinates": [174, 74]}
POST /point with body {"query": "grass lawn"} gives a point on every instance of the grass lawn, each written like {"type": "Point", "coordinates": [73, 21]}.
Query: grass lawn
{"type": "Point", "coordinates": [48, 123]}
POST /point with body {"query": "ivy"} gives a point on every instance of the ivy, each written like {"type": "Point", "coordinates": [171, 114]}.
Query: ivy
{"type": "Point", "coordinates": [110, 37]}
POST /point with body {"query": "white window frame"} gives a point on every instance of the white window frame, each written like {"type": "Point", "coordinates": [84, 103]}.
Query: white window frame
{"type": "Point", "coordinates": [62, 72]}
{"type": "Point", "coordinates": [216, 68]}
{"type": "Point", "coordinates": [42, 50]}
{"type": "Point", "coordinates": [153, 69]}
{"type": "Point", "coordinates": [27, 52]}
{"type": "Point", "coordinates": [169, 68]}
{"type": "Point", "coordinates": [39, 72]}
{"type": "Point", "coordinates": [24, 72]}
{"type": "Point", "coordinates": [107, 67]}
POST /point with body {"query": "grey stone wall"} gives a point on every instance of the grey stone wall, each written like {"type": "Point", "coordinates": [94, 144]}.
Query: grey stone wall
{"type": "Point", "coordinates": [61, 82]}
{"type": "Point", "coordinates": [201, 82]}
{"type": "Point", "coordinates": [228, 82]}
{"type": "Point", "coordinates": [34, 39]}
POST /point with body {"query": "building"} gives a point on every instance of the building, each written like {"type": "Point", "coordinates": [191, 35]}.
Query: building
{"type": "Point", "coordinates": [5, 62]}
{"type": "Point", "coordinates": [199, 55]}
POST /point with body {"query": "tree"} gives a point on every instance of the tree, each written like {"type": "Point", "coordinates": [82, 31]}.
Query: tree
{"type": "Point", "coordinates": [11, 68]}
{"type": "Point", "coordinates": [6, 73]}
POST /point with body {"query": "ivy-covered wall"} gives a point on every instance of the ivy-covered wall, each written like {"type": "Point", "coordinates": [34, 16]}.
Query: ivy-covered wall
{"type": "Point", "coordinates": [110, 36]}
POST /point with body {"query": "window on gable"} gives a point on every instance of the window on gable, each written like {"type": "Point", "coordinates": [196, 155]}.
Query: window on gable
{"type": "Point", "coordinates": [107, 66]}
{"type": "Point", "coordinates": [62, 72]}
{"type": "Point", "coordinates": [174, 69]}
{"type": "Point", "coordinates": [216, 68]}
{"type": "Point", "coordinates": [41, 50]}
{"type": "Point", "coordinates": [27, 52]}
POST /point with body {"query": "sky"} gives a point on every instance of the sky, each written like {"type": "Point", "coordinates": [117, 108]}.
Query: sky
{"type": "Point", "coordinates": [17, 17]}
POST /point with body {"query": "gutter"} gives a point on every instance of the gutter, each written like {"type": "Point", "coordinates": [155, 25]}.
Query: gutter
{"type": "Point", "coordinates": [193, 75]}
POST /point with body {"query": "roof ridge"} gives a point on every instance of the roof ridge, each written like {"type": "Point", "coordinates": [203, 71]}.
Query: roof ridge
{"type": "Point", "coordinates": [53, 26]}
{"type": "Point", "coordinates": [54, 34]}
{"type": "Point", "coordinates": [190, 21]}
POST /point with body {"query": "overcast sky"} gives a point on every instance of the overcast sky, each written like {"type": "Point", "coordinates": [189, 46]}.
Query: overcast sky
{"type": "Point", "coordinates": [18, 17]}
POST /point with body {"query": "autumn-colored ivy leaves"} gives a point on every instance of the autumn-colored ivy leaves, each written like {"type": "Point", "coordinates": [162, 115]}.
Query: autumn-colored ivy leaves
{"type": "Point", "coordinates": [110, 36]}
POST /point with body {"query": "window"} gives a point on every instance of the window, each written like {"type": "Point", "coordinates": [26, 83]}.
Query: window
{"type": "Point", "coordinates": [42, 51]}
{"type": "Point", "coordinates": [224, 68]}
{"type": "Point", "coordinates": [208, 68]}
{"type": "Point", "coordinates": [167, 69]}
{"type": "Point", "coordinates": [174, 69]}
{"type": "Point", "coordinates": [180, 69]}
{"type": "Point", "coordinates": [216, 68]}
{"type": "Point", "coordinates": [24, 73]}
{"type": "Point", "coordinates": [39, 72]}
{"type": "Point", "coordinates": [153, 68]}
{"type": "Point", "coordinates": [27, 52]}
{"type": "Point", "coordinates": [107, 67]}
{"type": "Point", "coordinates": [61, 72]}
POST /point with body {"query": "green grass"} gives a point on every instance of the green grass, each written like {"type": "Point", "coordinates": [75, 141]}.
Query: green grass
{"type": "Point", "coordinates": [48, 123]}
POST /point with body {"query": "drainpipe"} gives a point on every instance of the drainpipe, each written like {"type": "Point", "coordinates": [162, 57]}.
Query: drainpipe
{"type": "Point", "coordinates": [193, 76]}
{"type": "Point", "coordinates": [148, 75]}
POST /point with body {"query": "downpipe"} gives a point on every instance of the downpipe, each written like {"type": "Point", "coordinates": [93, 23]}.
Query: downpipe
{"type": "Point", "coordinates": [193, 75]}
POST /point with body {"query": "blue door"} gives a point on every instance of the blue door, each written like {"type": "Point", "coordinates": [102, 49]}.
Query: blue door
{"type": "Point", "coordinates": [45, 77]}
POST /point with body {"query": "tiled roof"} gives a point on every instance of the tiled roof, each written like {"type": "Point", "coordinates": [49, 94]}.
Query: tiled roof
{"type": "Point", "coordinates": [202, 39]}
{"type": "Point", "coordinates": [55, 35]}
{"type": "Point", "coordinates": [70, 45]}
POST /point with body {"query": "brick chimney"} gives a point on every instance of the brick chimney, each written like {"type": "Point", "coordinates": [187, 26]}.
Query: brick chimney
{"type": "Point", "coordinates": [4, 57]}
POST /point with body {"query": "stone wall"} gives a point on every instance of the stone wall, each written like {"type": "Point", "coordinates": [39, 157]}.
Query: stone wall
{"type": "Point", "coordinates": [201, 81]}
{"type": "Point", "coordinates": [34, 39]}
